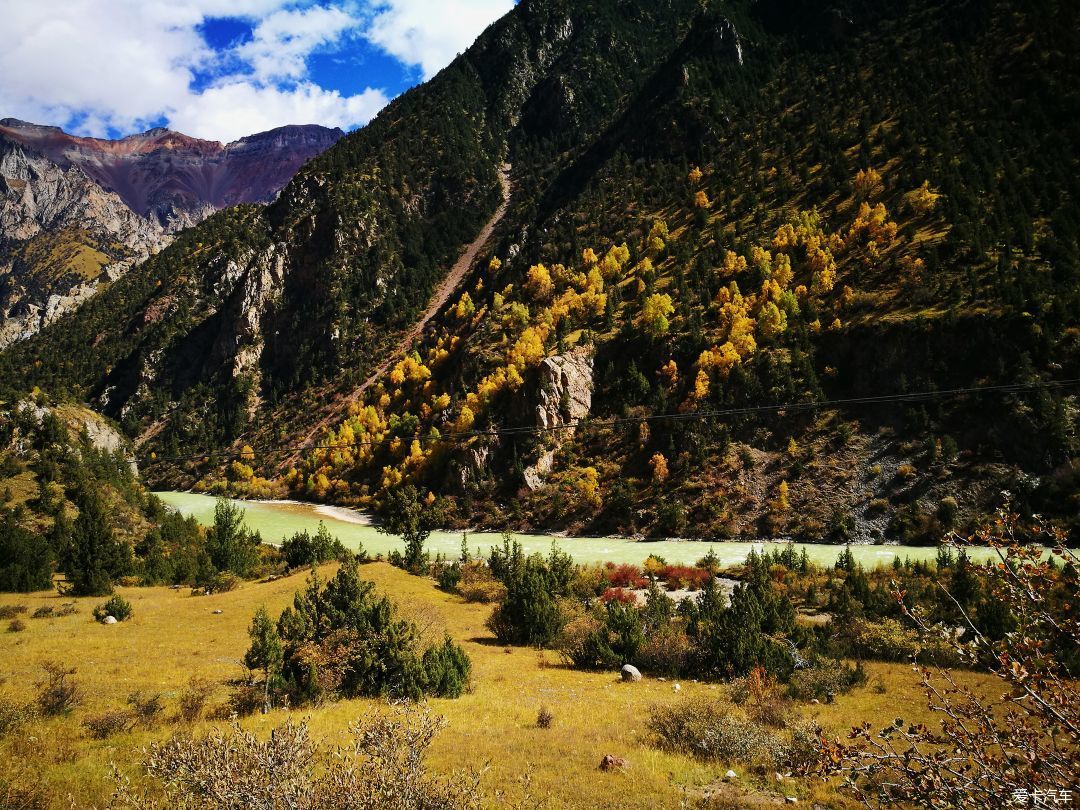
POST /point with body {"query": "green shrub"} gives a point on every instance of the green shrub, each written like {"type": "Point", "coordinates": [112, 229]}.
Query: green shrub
{"type": "Point", "coordinates": [450, 576]}
{"type": "Point", "coordinates": [11, 611]}
{"type": "Point", "coordinates": [823, 679]}
{"type": "Point", "coordinates": [341, 639]}
{"type": "Point", "coordinates": [303, 550]}
{"type": "Point", "coordinates": [16, 626]}
{"type": "Point", "coordinates": [117, 607]}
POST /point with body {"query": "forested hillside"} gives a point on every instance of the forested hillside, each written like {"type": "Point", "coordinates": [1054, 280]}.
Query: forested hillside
{"type": "Point", "coordinates": [725, 219]}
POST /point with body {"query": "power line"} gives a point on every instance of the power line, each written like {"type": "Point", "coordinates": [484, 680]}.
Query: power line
{"type": "Point", "coordinates": [794, 407]}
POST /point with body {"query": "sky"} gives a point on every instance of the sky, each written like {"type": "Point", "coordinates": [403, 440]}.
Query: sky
{"type": "Point", "coordinates": [222, 69]}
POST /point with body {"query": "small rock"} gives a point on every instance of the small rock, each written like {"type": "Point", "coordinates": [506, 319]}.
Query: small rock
{"type": "Point", "coordinates": [779, 777]}
{"type": "Point", "coordinates": [217, 612]}
{"type": "Point", "coordinates": [109, 620]}
{"type": "Point", "coordinates": [613, 763]}
{"type": "Point", "coordinates": [676, 688]}
{"type": "Point", "coordinates": [630, 673]}
{"type": "Point", "coordinates": [731, 775]}
{"type": "Point", "coordinates": [791, 800]}
{"type": "Point", "coordinates": [815, 702]}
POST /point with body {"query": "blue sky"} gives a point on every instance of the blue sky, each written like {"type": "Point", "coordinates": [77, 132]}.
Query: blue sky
{"type": "Point", "coordinates": [221, 69]}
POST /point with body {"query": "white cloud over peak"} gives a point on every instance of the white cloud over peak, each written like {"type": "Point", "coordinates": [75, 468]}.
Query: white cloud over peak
{"type": "Point", "coordinates": [96, 66]}
{"type": "Point", "coordinates": [241, 108]}
{"type": "Point", "coordinates": [418, 32]}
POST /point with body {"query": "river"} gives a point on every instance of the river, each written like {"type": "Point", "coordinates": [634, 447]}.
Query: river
{"type": "Point", "coordinates": [276, 520]}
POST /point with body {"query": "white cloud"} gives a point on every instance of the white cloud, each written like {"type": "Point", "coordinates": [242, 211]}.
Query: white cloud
{"type": "Point", "coordinates": [101, 65]}
{"type": "Point", "coordinates": [229, 111]}
{"type": "Point", "coordinates": [416, 33]}
{"type": "Point", "coordinates": [282, 42]}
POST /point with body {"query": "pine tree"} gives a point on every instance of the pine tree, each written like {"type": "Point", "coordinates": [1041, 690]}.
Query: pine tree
{"type": "Point", "coordinates": [94, 557]}
{"type": "Point", "coordinates": [265, 653]}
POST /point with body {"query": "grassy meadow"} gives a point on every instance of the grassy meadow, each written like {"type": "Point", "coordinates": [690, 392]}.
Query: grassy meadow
{"type": "Point", "coordinates": [174, 636]}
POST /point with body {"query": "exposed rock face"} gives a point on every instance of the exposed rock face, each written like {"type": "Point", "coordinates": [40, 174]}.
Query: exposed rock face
{"type": "Point", "coordinates": [565, 396]}
{"type": "Point", "coordinates": [61, 236]}
{"type": "Point", "coordinates": [177, 179]}
{"type": "Point", "coordinates": [77, 213]}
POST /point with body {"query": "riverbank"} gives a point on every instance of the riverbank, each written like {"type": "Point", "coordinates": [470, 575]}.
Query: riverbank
{"type": "Point", "coordinates": [276, 520]}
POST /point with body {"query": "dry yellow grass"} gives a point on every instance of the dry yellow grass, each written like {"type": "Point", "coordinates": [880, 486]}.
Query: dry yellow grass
{"type": "Point", "coordinates": [174, 636]}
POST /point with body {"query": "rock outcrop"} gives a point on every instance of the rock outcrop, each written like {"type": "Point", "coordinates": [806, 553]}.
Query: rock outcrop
{"type": "Point", "coordinates": [564, 397]}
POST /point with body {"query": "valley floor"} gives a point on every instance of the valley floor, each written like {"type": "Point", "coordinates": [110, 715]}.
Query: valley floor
{"type": "Point", "coordinates": [173, 637]}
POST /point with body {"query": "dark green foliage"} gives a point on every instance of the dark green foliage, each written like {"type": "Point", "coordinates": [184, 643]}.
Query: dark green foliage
{"type": "Point", "coordinates": [450, 576]}
{"type": "Point", "coordinates": [303, 549]}
{"type": "Point", "coordinates": [528, 614]}
{"type": "Point", "coordinates": [25, 560]}
{"type": "Point", "coordinates": [118, 607]}
{"type": "Point", "coordinates": [265, 653]}
{"type": "Point", "coordinates": [403, 513]}
{"type": "Point", "coordinates": [340, 639]}
{"type": "Point", "coordinates": [231, 545]}
{"type": "Point", "coordinates": [94, 557]}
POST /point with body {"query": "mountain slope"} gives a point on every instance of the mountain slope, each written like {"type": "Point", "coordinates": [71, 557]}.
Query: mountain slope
{"type": "Point", "coordinates": [714, 210]}
{"type": "Point", "coordinates": [77, 213]}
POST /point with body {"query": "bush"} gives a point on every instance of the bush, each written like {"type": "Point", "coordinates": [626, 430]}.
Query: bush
{"type": "Point", "coordinates": [624, 576]}
{"type": "Point", "coordinates": [193, 699]}
{"type": "Point", "coordinates": [11, 611]}
{"type": "Point", "coordinates": [147, 709]}
{"type": "Point", "coordinates": [824, 679]}
{"type": "Point", "coordinates": [58, 693]}
{"type": "Point", "coordinates": [13, 715]}
{"type": "Point", "coordinates": [544, 718]}
{"type": "Point", "coordinates": [44, 612]}
{"type": "Point", "coordinates": [383, 769]}
{"type": "Point", "coordinates": [102, 726]}
{"type": "Point", "coordinates": [483, 591]}
{"type": "Point", "coordinates": [760, 698]}
{"type": "Point", "coordinates": [16, 626]}
{"type": "Point", "coordinates": [450, 576]}
{"type": "Point", "coordinates": [303, 550]}
{"type": "Point", "coordinates": [666, 652]}
{"type": "Point", "coordinates": [341, 639]}
{"type": "Point", "coordinates": [584, 641]}
{"type": "Point", "coordinates": [715, 731]}
{"type": "Point", "coordinates": [221, 582]}
{"type": "Point", "coordinates": [117, 607]}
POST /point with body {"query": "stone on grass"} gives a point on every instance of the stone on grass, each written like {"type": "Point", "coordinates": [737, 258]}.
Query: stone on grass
{"type": "Point", "coordinates": [631, 673]}
{"type": "Point", "coordinates": [731, 775]}
{"type": "Point", "coordinates": [109, 620]}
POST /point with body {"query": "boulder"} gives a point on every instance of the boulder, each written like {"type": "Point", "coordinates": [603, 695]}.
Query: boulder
{"type": "Point", "coordinates": [109, 620]}
{"type": "Point", "coordinates": [630, 673]}
{"type": "Point", "coordinates": [613, 763]}
{"type": "Point", "coordinates": [731, 775]}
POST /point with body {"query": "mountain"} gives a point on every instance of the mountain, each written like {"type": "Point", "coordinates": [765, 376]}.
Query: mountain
{"type": "Point", "coordinates": [76, 213]}
{"type": "Point", "coordinates": [772, 250]}
{"type": "Point", "coordinates": [174, 178]}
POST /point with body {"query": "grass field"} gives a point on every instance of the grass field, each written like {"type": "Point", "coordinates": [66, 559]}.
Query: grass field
{"type": "Point", "coordinates": [174, 636]}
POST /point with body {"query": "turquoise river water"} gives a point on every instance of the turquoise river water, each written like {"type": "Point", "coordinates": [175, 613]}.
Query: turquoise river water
{"type": "Point", "coordinates": [276, 520]}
